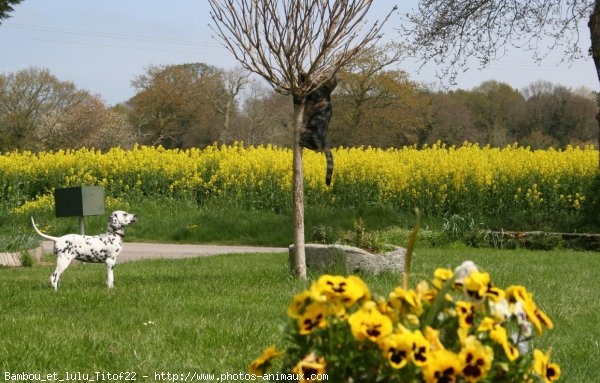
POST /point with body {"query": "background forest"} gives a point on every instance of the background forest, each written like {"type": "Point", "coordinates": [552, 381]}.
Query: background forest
{"type": "Point", "coordinates": [195, 105]}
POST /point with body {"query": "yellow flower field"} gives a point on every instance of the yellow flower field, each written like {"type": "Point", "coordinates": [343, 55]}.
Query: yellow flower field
{"type": "Point", "coordinates": [437, 179]}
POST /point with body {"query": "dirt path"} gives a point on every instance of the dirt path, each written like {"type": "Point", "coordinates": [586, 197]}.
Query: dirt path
{"type": "Point", "coordinates": [139, 251]}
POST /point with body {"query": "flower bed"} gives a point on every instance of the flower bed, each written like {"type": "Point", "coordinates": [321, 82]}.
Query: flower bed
{"type": "Point", "coordinates": [458, 327]}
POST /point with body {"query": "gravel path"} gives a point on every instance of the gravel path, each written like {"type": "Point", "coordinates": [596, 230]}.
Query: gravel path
{"type": "Point", "coordinates": [139, 251]}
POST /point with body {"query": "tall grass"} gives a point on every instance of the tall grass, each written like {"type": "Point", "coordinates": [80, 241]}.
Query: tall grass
{"type": "Point", "coordinates": [217, 314]}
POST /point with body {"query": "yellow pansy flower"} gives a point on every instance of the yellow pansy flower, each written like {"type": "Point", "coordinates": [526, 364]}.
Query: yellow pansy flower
{"type": "Point", "coordinates": [476, 360]}
{"type": "Point", "coordinates": [370, 323]}
{"type": "Point", "coordinates": [262, 363]}
{"type": "Point", "coordinates": [398, 348]}
{"type": "Point", "coordinates": [338, 288]}
{"type": "Point", "coordinates": [310, 367]}
{"type": "Point", "coordinates": [443, 367]}
{"type": "Point", "coordinates": [314, 317]}
{"type": "Point", "coordinates": [550, 372]}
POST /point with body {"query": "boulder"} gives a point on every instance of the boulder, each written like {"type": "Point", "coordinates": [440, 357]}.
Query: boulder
{"type": "Point", "coordinates": [350, 259]}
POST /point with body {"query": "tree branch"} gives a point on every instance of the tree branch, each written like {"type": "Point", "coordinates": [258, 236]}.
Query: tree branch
{"type": "Point", "coordinates": [279, 39]}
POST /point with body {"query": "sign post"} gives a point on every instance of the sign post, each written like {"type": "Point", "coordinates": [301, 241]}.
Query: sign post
{"type": "Point", "coordinates": [80, 201]}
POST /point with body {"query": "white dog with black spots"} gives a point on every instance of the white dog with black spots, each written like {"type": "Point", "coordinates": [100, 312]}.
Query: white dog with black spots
{"type": "Point", "coordinates": [103, 248]}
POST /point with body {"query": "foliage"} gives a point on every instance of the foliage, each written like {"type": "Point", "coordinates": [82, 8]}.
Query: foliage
{"type": "Point", "coordinates": [87, 123]}
{"type": "Point", "coordinates": [463, 229]}
{"type": "Point", "coordinates": [196, 104]}
{"type": "Point", "coordinates": [378, 106]}
{"type": "Point", "coordinates": [553, 113]}
{"type": "Point", "coordinates": [27, 260]}
{"type": "Point", "coordinates": [6, 8]}
{"type": "Point", "coordinates": [357, 237]}
{"type": "Point", "coordinates": [13, 241]}
{"type": "Point", "coordinates": [459, 328]}
{"type": "Point", "coordinates": [26, 97]}
{"type": "Point", "coordinates": [453, 32]}
{"type": "Point", "coordinates": [538, 187]}
{"type": "Point", "coordinates": [174, 105]}
{"type": "Point", "coordinates": [541, 115]}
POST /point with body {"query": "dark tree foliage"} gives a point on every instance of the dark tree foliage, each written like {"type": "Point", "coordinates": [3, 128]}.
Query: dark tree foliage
{"type": "Point", "coordinates": [6, 6]}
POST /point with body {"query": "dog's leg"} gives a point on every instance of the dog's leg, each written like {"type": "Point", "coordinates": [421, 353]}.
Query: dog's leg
{"type": "Point", "coordinates": [62, 262]}
{"type": "Point", "coordinates": [110, 264]}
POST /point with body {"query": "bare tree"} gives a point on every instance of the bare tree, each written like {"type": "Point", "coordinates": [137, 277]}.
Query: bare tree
{"type": "Point", "coordinates": [281, 39]}
{"type": "Point", "coordinates": [88, 123]}
{"type": "Point", "coordinates": [233, 82]}
{"type": "Point", "coordinates": [267, 118]}
{"type": "Point", "coordinates": [452, 32]}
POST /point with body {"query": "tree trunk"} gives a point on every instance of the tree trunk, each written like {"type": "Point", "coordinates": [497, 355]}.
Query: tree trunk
{"type": "Point", "coordinates": [224, 136]}
{"type": "Point", "coordinates": [298, 192]}
{"type": "Point", "coordinates": [594, 25]}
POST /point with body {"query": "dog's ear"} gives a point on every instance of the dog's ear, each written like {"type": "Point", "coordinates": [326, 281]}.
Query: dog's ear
{"type": "Point", "coordinates": [113, 220]}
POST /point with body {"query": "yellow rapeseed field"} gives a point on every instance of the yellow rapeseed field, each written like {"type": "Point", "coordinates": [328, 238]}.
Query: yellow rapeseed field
{"type": "Point", "coordinates": [435, 178]}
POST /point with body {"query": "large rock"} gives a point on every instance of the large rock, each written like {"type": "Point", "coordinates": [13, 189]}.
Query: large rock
{"type": "Point", "coordinates": [350, 259]}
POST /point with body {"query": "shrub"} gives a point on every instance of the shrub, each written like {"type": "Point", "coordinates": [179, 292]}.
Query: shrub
{"type": "Point", "coordinates": [27, 259]}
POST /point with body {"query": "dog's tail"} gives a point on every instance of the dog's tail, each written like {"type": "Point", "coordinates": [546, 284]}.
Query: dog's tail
{"type": "Point", "coordinates": [49, 237]}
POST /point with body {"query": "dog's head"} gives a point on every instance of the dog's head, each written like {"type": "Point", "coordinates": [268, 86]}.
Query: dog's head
{"type": "Point", "coordinates": [118, 220]}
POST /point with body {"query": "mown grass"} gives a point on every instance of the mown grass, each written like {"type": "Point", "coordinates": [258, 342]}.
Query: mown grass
{"type": "Point", "coordinates": [216, 314]}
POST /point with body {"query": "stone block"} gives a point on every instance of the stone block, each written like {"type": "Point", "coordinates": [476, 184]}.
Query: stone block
{"type": "Point", "coordinates": [349, 259]}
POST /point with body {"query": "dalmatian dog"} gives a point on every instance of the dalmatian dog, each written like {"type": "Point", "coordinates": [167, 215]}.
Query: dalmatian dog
{"type": "Point", "coordinates": [103, 248]}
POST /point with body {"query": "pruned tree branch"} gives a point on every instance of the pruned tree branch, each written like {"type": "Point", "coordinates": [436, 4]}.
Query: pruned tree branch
{"type": "Point", "coordinates": [279, 39]}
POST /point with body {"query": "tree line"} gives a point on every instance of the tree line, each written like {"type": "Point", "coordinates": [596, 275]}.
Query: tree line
{"type": "Point", "coordinates": [194, 105]}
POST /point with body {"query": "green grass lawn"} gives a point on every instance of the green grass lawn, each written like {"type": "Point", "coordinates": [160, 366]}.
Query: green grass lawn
{"type": "Point", "coordinates": [217, 314]}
